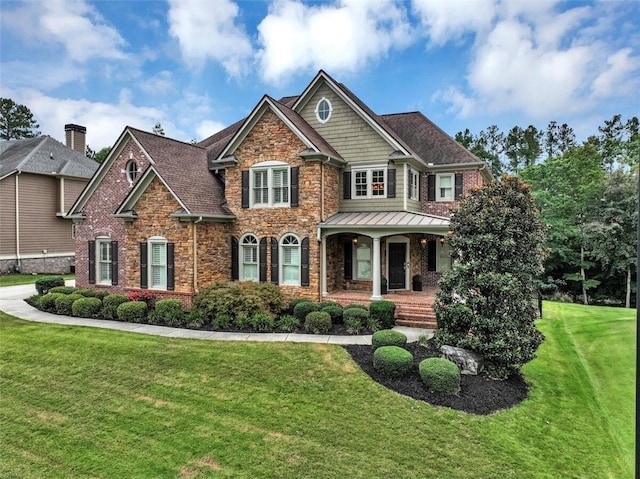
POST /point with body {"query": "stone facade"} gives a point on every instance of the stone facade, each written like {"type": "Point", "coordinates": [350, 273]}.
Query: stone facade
{"type": "Point", "coordinates": [45, 264]}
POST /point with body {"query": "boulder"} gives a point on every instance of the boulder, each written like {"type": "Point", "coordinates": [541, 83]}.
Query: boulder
{"type": "Point", "coordinates": [468, 361]}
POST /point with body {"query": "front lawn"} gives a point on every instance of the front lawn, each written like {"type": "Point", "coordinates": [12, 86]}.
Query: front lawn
{"type": "Point", "coordinates": [14, 279]}
{"type": "Point", "coordinates": [82, 402]}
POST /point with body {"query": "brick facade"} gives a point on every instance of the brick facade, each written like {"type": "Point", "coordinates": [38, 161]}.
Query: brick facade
{"type": "Point", "coordinates": [470, 179]}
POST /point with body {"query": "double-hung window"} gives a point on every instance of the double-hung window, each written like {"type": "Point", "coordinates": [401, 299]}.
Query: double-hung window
{"type": "Point", "coordinates": [158, 263]}
{"type": "Point", "coordinates": [290, 254]}
{"type": "Point", "coordinates": [444, 187]}
{"type": "Point", "coordinates": [370, 183]}
{"type": "Point", "coordinates": [249, 258]}
{"type": "Point", "coordinates": [414, 185]}
{"type": "Point", "coordinates": [104, 260]}
{"type": "Point", "coordinates": [270, 184]}
{"type": "Point", "coordinates": [363, 258]}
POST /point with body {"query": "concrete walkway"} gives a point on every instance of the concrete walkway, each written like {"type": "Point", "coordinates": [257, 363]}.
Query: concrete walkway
{"type": "Point", "coordinates": [12, 302]}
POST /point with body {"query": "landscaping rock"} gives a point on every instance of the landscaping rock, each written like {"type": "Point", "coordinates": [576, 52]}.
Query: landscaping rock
{"type": "Point", "coordinates": [468, 361]}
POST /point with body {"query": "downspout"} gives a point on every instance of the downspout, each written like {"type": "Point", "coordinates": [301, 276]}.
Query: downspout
{"type": "Point", "coordinates": [62, 209]}
{"type": "Point", "coordinates": [195, 254]}
{"type": "Point", "coordinates": [18, 261]}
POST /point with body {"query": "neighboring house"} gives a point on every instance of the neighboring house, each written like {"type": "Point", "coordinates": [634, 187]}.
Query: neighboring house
{"type": "Point", "coordinates": [315, 193]}
{"type": "Point", "coordinates": [40, 179]}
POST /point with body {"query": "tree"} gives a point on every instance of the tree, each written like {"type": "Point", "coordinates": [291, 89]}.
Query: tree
{"type": "Point", "coordinates": [485, 146]}
{"type": "Point", "coordinates": [523, 147]}
{"type": "Point", "coordinates": [485, 301]}
{"type": "Point", "coordinates": [611, 236]}
{"type": "Point", "coordinates": [102, 154]}
{"type": "Point", "coordinates": [16, 121]}
{"type": "Point", "coordinates": [611, 140]}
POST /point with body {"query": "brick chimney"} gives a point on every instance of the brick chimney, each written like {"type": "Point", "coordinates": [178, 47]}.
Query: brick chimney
{"type": "Point", "coordinates": [76, 137]}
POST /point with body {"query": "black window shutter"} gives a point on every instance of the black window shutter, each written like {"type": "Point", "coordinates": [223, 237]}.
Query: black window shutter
{"type": "Point", "coordinates": [144, 277]}
{"type": "Point", "coordinates": [431, 255]}
{"type": "Point", "coordinates": [348, 260]}
{"type": "Point", "coordinates": [262, 253]}
{"type": "Point", "coordinates": [171, 275]}
{"type": "Point", "coordinates": [431, 187]}
{"type": "Point", "coordinates": [114, 263]}
{"type": "Point", "coordinates": [92, 262]}
{"type": "Point", "coordinates": [346, 185]}
{"type": "Point", "coordinates": [295, 172]}
{"type": "Point", "coordinates": [391, 183]}
{"type": "Point", "coordinates": [245, 188]}
{"type": "Point", "coordinates": [419, 185]}
{"type": "Point", "coordinates": [274, 261]}
{"type": "Point", "coordinates": [234, 259]}
{"type": "Point", "coordinates": [304, 255]}
{"type": "Point", "coordinates": [458, 186]}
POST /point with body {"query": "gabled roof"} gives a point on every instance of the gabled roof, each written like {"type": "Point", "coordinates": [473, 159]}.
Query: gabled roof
{"type": "Point", "coordinates": [181, 166]}
{"type": "Point", "coordinates": [308, 136]}
{"type": "Point", "coordinates": [44, 156]}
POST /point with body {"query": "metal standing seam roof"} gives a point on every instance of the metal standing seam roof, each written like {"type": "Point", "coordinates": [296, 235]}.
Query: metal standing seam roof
{"type": "Point", "coordinates": [385, 219]}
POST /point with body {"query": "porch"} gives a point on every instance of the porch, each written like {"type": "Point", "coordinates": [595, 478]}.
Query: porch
{"type": "Point", "coordinates": [413, 308]}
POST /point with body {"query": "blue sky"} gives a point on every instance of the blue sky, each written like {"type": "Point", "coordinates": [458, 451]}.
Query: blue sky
{"type": "Point", "coordinates": [196, 66]}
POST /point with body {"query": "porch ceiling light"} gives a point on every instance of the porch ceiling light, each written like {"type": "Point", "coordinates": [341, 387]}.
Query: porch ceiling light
{"type": "Point", "coordinates": [442, 240]}
{"type": "Point", "coordinates": [423, 242]}
{"type": "Point", "coordinates": [355, 240]}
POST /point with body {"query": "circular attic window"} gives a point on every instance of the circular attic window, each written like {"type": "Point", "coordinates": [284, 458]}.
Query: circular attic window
{"type": "Point", "coordinates": [323, 110]}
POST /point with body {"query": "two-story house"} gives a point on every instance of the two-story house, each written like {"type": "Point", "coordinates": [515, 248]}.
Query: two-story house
{"type": "Point", "coordinates": [315, 193]}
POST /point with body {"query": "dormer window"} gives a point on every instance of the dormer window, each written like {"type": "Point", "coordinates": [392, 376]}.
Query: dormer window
{"type": "Point", "coordinates": [132, 171]}
{"type": "Point", "coordinates": [323, 110]}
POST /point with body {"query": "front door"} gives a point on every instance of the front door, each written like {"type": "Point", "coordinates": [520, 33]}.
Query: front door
{"type": "Point", "coordinates": [397, 258]}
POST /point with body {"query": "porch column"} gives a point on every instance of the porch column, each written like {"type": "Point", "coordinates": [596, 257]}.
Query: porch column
{"type": "Point", "coordinates": [376, 270]}
{"type": "Point", "coordinates": [323, 267]}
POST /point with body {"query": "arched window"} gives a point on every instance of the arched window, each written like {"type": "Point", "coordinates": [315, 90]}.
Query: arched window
{"type": "Point", "coordinates": [290, 260]}
{"type": "Point", "coordinates": [249, 258]}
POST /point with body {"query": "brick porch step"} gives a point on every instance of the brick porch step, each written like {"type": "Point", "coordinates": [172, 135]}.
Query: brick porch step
{"type": "Point", "coordinates": [417, 324]}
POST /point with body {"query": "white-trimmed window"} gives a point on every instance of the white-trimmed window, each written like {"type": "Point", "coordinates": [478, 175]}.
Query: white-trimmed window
{"type": "Point", "coordinates": [103, 260]}
{"type": "Point", "coordinates": [362, 255]}
{"type": "Point", "coordinates": [290, 260]}
{"type": "Point", "coordinates": [270, 184]}
{"type": "Point", "coordinates": [131, 171]}
{"type": "Point", "coordinates": [323, 110]}
{"type": "Point", "coordinates": [249, 258]}
{"type": "Point", "coordinates": [414, 184]}
{"type": "Point", "coordinates": [157, 263]}
{"type": "Point", "coordinates": [370, 183]}
{"type": "Point", "coordinates": [444, 187]}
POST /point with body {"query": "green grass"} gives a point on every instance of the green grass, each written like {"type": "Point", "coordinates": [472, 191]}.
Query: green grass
{"type": "Point", "coordinates": [17, 278]}
{"type": "Point", "coordinates": [82, 402]}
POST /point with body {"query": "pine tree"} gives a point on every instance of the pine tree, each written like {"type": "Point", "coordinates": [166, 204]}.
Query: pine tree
{"type": "Point", "coordinates": [16, 121]}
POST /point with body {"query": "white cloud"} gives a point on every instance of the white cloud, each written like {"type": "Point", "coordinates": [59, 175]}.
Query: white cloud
{"type": "Point", "coordinates": [617, 78]}
{"type": "Point", "coordinates": [159, 83]}
{"type": "Point", "coordinates": [206, 128]}
{"type": "Point", "coordinates": [341, 36]}
{"type": "Point", "coordinates": [208, 30]}
{"type": "Point", "coordinates": [72, 24]}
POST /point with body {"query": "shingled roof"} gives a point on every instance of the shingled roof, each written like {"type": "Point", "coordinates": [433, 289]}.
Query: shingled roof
{"type": "Point", "coordinates": [183, 166]}
{"type": "Point", "coordinates": [44, 156]}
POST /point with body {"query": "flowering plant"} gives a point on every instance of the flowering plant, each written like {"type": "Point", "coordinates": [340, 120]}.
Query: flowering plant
{"type": "Point", "coordinates": [145, 296]}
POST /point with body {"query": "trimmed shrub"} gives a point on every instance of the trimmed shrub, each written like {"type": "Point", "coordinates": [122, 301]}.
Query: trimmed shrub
{"type": "Point", "coordinates": [63, 289]}
{"type": "Point", "coordinates": [86, 307]}
{"type": "Point", "coordinates": [48, 301]}
{"type": "Point", "coordinates": [324, 304]}
{"type": "Point", "coordinates": [35, 301]}
{"type": "Point", "coordinates": [388, 337]}
{"type": "Point", "coordinates": [335, 311]}
{"type": "Point", "coordinates": [132, 312]}
{"type": "Point", "coordinates": [288, 323]}
{"type": "Point", "coordinates": [384, 312]}
{"type": "Point", "coordinates": [88, 292]}
{"type": "Point", "coordinates": [301, 310]}
{"type": "Point", "coordinates": [110, 305]}
{"type": "Point", "coordinates": [64, 303]}
{"type": "Point", "coordinates": [355, 319]}
{"type": "Point", "coordinates": [271, 296]}
{"type": "Point", "coordinates": [317, 322]}
{"type": "Point", "coordinates": [294, 302]}
{"type": "Point", "coordinates": [440, 375]}
{"type": "Point", "coordinates": [230, 299]}
{"type": "Point", "coordinates": [392, 361]}
{"type": "Point", "coordinates": [168, 312]}
{"type": "Point", "coordinates": [44, 285]}
{"type": "Point", "coordinates": [357, 305]}
{"type": "Point", "coordinates": [263, 322]}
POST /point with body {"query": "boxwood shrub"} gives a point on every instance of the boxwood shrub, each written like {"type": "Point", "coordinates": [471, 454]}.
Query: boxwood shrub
{"type": "Point", "coordinates": [85, 307]}
{"type": "Point", "coordinates": [317, 322]}
{"type": "Point", "coordinates": [168, 312]}
{"type": "Point", "coordinates": [63, 289]}
{"type": "Point", "coordinates": [48, 302]}
{"type": "Point", "coordinates": [357, 305]}
{"type": "Point", "coordinates": [110, 305]}
{"type": "Point", "coordinates": [301, 310]}
{"type": "Point", "coordinates": [440, 375]}
{"type": "Point", "coordinates": [44, 285]}
{"type": "Point", "coordinates": [335, 311]}
{"type": "Point", "coordinates": [294, 302]}
{"type": "Point", "coordinates": [132, 312]}
{"type": "Point", "coordinates": [355, 319]}
{"type": "Point", "coordinates": [392, 361]}
{"type": "Point", "coordinates": [384, 312]}
{"type": "Point", "coordinates": [88, 292]}
{"type": "Point", "coordinates": [64, 303]}
{"type": "Point", "coordinates": [388, 337]}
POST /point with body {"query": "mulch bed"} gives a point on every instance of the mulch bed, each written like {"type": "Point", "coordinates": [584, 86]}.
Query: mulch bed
{"type": "Point", "coordinates": [478, 394]}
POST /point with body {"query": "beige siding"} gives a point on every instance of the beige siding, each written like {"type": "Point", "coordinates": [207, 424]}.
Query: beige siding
{"type": "Point", "coordinates": [72, 189]}
{"type": "Point", "coordinates": [357, 143]}
{"type": "Point", "coordinates": [40, 228]}
{"type": "Point", "coordinates": [8, 216]}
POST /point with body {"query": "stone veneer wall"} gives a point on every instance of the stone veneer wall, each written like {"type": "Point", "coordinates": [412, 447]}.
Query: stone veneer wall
{"type": "Point", "coordinates": [99, 216]}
